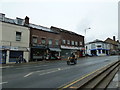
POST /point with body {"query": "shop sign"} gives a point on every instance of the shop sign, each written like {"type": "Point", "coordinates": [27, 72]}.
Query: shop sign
{"type": "Point", "coordinates": [14, 48]}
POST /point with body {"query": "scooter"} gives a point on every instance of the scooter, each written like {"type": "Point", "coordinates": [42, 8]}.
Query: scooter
{"type": "Point", "coordinates": [71, 60]}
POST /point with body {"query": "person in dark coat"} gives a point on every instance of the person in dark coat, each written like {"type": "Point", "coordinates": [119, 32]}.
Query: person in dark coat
{"type": "Point", "coordinates": [20, 59]}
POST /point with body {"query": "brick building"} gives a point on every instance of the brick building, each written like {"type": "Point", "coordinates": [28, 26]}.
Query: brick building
{"type": "Point", "coordinates": [44, 43]}
{"type": "Point", "coordinates": [114, 45]}
{"type": "Point", "coordinates": [70, 42]}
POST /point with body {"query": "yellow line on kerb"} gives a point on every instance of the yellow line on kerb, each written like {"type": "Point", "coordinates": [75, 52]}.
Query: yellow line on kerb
{"type": "Point", "coordinates": [84, 76]}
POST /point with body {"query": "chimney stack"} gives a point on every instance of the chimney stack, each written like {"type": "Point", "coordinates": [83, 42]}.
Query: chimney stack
{"type": "Point", "coordinates": [26, 20]}
{"type": "Point", "coordinates": [114, 38]}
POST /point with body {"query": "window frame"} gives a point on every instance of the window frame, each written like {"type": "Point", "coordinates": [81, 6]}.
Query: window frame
{"type": "Point", "coordinates": [34, 42]}
{"type": "Point", "coordinates": [73, 42]}
{"type": "Point", "coordinates": [56, 42]}
{"type": "Point", "coordinates": [68, 42]}
{"type": "Point", "coordinates": [63, 41]}
{"type": "Point", "coordinates": [18, 36]}
{"type": "Point", "coordinates": [49, 41]}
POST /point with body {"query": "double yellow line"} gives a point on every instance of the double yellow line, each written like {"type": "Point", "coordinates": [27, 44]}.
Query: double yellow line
{"type": "Point", "coordinates": [84, 76]}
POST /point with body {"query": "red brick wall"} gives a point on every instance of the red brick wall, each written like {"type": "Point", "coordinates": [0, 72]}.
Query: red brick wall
{"type": "Point", "coordinates": [44, 34]}
{"type": "Point", "coordinates": [67, 36]}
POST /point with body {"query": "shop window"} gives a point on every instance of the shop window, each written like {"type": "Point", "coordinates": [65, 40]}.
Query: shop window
{"type": "Point", "coordinates": [99, 51]}
{"type": "Point", "coordinates": [34, 40]}
{"type": "Point", "coordinates": [68, 42]}
{"type": "Point", "coordinates": [103, 51]}
{"type": "Point", "coordinates": [18, 36]}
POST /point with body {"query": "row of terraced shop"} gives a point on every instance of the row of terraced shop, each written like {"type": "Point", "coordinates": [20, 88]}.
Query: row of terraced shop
{"type": "Point", "coordinates": [34, 42]}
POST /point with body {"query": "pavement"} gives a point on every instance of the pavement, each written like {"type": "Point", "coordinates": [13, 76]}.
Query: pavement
{"type": "Point", "coordinates": [115, 83]}
{"type": "Point", "coordinates": [28, 63]}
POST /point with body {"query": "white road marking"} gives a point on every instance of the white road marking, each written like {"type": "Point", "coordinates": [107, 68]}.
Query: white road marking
{"type": "Point", "coordinates": [3, 83]}
{"type": "Point", "coordinates": [28, 74]}
{"type": "Point", "coordinates": [59, 68]}
{"type": "Point", "coordinates": [53, 70]}
{"type": "Point", "coordinates": [48, 72]}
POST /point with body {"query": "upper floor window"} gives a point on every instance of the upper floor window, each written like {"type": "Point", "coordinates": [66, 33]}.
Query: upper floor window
{"type": "Point", "coordinates": [18, 36]}
{"type": "Point", "coordinates": [76, 43]}
{"type": "Point", "coordinates": [63, 41]}
{"type": "Point", "coordinates": [50, 42]}
{"type": "Point", "coordinates": [80, 43]}
{"type": "Point", "coordinates": [56, 42]}
{"type": "Point", "coordinates": [98, 46]}
{"type": "Point", "coordinates": [93, 46]}
{"type": "Point", "coordinates": [43, 41]}
{"type": "Point", "coordinates": [72, 42]}
{"type": "Point", "coordinates": [34, 40]}
{"type": "Point", "coordinates": [68, 42]}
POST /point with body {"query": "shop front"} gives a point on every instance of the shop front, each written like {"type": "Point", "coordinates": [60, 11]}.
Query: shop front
{"type": "Point", "coordinates": [14, 55]}
{"type": "Point", "coordinates": [11, 54]}
{"type": "Point", "coordinates": [38, 53]}
{"type": "Point", "coordinates": [53, 54]}
{"type": "Point", "coordinates": [67, 50]}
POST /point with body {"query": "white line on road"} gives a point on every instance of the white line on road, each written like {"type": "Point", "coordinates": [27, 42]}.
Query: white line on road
{"type": "Point", "coordinates": [48, 72]}
{"type": "Point", "coordinates": [28, 74]}
{"type": "Point", "coordinates": [3, 83]}
{"type": "Point", "coordinates": [54, 70]}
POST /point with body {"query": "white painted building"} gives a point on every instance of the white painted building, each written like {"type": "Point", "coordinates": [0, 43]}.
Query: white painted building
{"type": "Point", "coordinates": [14, 39]}
{"type": "Point", "coordinates": [97, 48]}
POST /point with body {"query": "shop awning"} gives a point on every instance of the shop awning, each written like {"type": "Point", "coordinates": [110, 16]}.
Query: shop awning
{"type": "Point", "coordinates": [55, 49]}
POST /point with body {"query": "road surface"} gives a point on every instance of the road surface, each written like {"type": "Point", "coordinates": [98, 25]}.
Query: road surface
{"type": "Point", "coordinates": [52, 74]}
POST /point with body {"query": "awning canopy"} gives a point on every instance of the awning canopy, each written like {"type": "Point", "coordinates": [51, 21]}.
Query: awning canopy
{"type": "Point", "coordinates": [55, 49]}
{"type": "Point", "coordinates": [99, 49]}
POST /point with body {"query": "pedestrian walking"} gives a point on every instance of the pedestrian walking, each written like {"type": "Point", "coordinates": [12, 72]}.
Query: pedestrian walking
{"type": "Point", "coordinates": [20, 59]}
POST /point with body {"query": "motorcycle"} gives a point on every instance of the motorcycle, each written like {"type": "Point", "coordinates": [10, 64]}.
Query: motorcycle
{"type": "Point", "coordinates": [71, 60]}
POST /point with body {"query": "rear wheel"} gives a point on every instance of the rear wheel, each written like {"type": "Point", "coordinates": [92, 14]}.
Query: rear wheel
{"type": "Point", "coordinates": [68, 62]}
{"type": "Point", "coordinates": [75, 62]}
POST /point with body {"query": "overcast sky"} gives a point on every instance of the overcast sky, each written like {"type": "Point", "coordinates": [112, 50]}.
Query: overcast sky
{"type": "Point", "coordinates": [74, 15]}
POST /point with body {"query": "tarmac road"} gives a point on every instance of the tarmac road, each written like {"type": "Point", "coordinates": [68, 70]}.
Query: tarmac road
{"type": "Point", "coordinates": [51, 74]}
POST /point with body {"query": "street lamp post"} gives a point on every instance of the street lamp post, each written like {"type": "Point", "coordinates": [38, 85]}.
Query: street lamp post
{"type": "Point", "coordinates": [85, 40]}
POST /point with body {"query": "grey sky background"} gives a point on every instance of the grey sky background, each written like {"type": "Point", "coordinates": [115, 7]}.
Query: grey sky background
{"type": "Point", "coordinates": [74, 15]}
